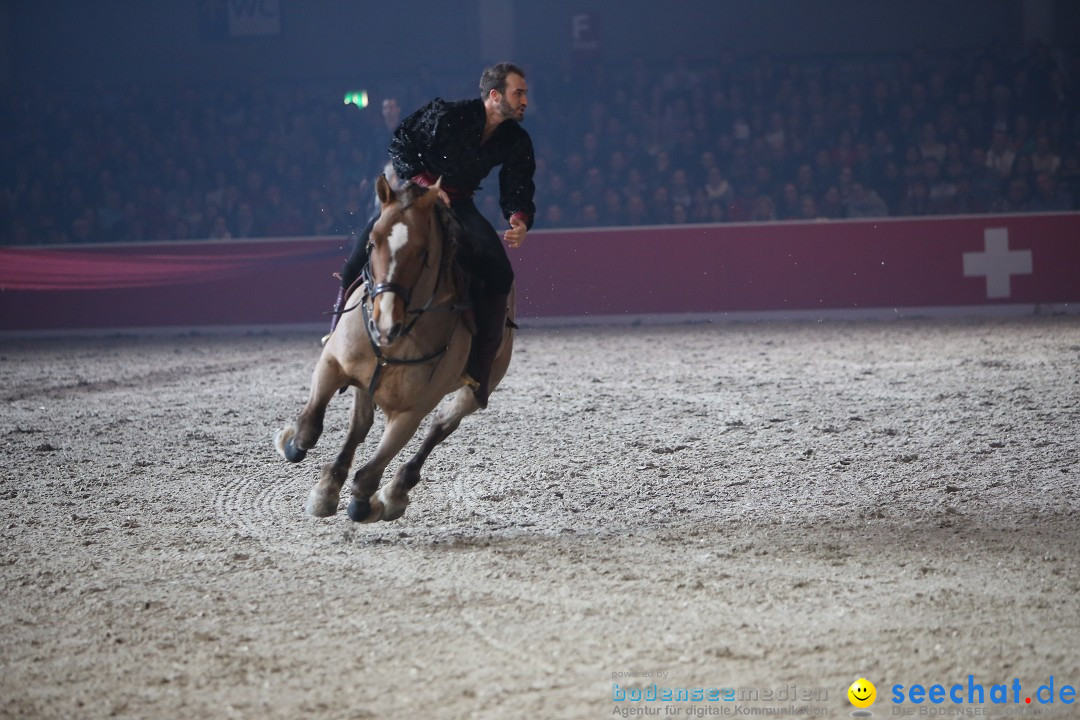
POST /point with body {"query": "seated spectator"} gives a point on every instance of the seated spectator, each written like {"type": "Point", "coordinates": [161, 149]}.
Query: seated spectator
{"type": "Point", "coordinates": [553, 216]}
{"type": "Point", "coordinates": [716, 187]}
{"type": "Point", "coordinates": [288, 222]}
{"type": "Point", "coordinates": [808, 208]}
{"type": "Point", "coordinates": [1069, 176]}
{"type": "Point", "coordinates": [182, 230]}
{"type": "Point", "coordinates": [891, 186]}
{"type": "Point", "coordinates": [764, 209]}
{"type": "Point", "coordinates": [699, 207]}
{"type": "Point", "coordinates": [83, 231]}
{"type": "Point", "coordinates": [966, 201]}
{"type": "Point", "coordinates": [220, 229]}
{"type": "Point", "coordinates": [323, 221]}
{"type": "Point", "coordinates": [863, 202]}
{"type": "Point", "coordinates": [589, 216]}
{"type": "Point", "coordinates": [1023, 169]}
{"type": "Point", "coordinates": [634, 183]}
{"type": "Point", "coordinates": [660, 206]}
{"type": "Point", "coordinates": [913, 167]}
{"type": "Point", "coordinates": [741, 208]}
{"type": "Point", "coordinates": [594, 182]}
{"type": "Point", "coordinates": [790, 205]}
{"type": "Point", "coordinates": [612, 211]}
{"type": "Point", "coordinates": [805, 182]}
{"type": "Point", "coordinates": [929, 145]}
{"type": "Point", "coordinates": [246, 226]}
{"type": "Point", "coordinates": [1016, 198]}
{"type": "Point", "coordinates": [679, 187]}
{"type": "Point", "coordinates": [917, 200]}
{"type": "Point", "coordinates": [637, 212]}
{"type": "Point", "coordinates": [985, 181]}
{"type": "Point", "coordinates": [1049, 197]}
{"type": "Point", "coordinates": [1000, 156]}
{"type": "Point", "coordinates": [1044, 159]}
{"type": "Point", "coordinates": [831, 204]}
{"type": "Point", "coordinates": [940, 189]}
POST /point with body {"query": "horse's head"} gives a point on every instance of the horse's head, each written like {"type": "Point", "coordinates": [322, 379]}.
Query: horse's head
{"type": "Point", "coordinates": [399, 251]}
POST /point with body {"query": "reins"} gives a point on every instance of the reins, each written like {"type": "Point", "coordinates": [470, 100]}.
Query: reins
{"type": "Point", "coordinates": [372, 291]}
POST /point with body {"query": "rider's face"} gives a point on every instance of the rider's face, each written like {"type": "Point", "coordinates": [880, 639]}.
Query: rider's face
{"type": "Point", "coordinates": [512, 103]}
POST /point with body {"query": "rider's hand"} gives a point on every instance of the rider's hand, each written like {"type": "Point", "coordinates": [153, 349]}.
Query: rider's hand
{"type": "Point", "coordinates": [516, 234]}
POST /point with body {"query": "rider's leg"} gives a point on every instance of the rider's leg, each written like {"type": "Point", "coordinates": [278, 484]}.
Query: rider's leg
{"type": "Point", "coordinates": [492, 278]}
{"type": "Point", "coordinates": [358, 258]}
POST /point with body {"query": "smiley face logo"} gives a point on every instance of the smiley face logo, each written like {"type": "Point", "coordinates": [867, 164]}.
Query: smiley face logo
{"type": "Point", "coordinates": [862, 693]}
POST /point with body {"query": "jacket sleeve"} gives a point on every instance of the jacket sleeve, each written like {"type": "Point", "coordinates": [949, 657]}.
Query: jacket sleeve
{"type": "Point", "coordinates": [516, 188]}
{"type": "Point", "coordinates": [413, 137]}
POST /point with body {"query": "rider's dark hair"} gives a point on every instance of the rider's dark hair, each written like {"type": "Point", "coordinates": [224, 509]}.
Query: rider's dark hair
{"type": "Point", "coordinates": [494, 78]}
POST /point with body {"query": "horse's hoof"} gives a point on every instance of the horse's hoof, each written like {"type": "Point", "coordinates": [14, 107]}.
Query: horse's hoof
{"type": "Point", "coordinates": [283, 441]}
{"type": "Point", "coordinates": [359, 510]}
{"type": "Point", "coordinates": [320, 504]}
{"type": "Point", "coordinates": [391, 510]}
{"type": "Point", "coordinates": [292, 453]}
{"type": "Point", "coordinates": [366, 511]}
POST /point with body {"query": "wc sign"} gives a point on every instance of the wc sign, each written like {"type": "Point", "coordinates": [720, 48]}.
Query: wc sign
{"type": "Point", "coordinates": [248, 18]}
{"type": "Point", "coordinates": [223, 19]}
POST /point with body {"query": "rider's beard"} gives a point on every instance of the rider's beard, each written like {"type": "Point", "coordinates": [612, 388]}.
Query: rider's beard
{"type": "Point", "coordinates": [510, 113]}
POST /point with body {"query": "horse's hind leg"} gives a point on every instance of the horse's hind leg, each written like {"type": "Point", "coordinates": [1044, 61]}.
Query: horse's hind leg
{"type": "Point", "coordinates": [400, 427]}
{"type": "Point", "coordinates": [323, 499]}
{"type": "Point", "coordinates": [294, 440]}
{"type": "Point", "coordinates": [394, 496]}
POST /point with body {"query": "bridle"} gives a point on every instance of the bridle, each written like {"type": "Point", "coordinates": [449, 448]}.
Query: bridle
{"type": "Point", "coordinates": [373, 290]}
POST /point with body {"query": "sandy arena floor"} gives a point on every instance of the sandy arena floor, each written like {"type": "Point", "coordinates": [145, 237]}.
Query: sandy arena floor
{"type": "Point", "coordinates": [752, 506]}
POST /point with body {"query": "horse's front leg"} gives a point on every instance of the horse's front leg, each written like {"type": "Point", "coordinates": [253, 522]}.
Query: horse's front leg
{"type": "Point", "coordinates": [323, 499]}
{"type": "Point", "coordinates": [394, 496]}
{"type": "Point", "coordinates": [400, 427]}
{"type": "Point", "coordinates": [294, 440]}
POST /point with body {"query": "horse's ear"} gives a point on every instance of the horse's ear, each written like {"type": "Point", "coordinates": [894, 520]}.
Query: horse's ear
{"type": "Point", "coordinates": [384, 191]}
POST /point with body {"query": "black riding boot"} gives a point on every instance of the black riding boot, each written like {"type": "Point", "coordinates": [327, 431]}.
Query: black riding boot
{"type": "Point", "coordinates": [490, 313]}
{"type": "Point", "coordinates": [336, 314]}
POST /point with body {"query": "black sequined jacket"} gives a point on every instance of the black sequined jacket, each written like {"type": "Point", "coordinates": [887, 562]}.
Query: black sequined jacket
{"type": "Point", "coordinates": [443, 139]}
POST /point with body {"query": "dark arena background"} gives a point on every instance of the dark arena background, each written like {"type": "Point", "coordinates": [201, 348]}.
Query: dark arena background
{"type": "Point", "coordinates": [794, 407]}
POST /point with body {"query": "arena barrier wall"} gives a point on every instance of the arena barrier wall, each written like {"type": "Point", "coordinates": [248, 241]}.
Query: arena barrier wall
{"type": "Point", "coordinates": [974, 263]}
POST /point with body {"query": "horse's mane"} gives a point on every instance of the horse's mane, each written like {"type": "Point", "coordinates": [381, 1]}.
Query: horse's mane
{"type": "Point", "coordinates": [410, 192]}
{"type": "Point", "coordinates": [453, 231]}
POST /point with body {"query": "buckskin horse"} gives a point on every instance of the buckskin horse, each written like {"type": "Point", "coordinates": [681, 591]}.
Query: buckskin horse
{"type": "Point", "coordinates": [404, 351]}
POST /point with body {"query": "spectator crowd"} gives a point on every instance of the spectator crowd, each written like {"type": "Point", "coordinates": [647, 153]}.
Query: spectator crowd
{"type": "Point", "coordinates": [731, 139]}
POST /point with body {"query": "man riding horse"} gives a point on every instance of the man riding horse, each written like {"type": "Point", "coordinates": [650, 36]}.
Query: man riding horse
{"type": "Point", "coordinates": [461, 142]}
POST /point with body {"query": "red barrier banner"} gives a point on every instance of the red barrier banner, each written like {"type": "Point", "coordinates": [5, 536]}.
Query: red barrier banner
{"type": "Point", "coordinates": [974, 261]}
{"type": "Point", "coordinates": [194, 284]}
{"type": "Point", "coordinates": [838, 265]}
